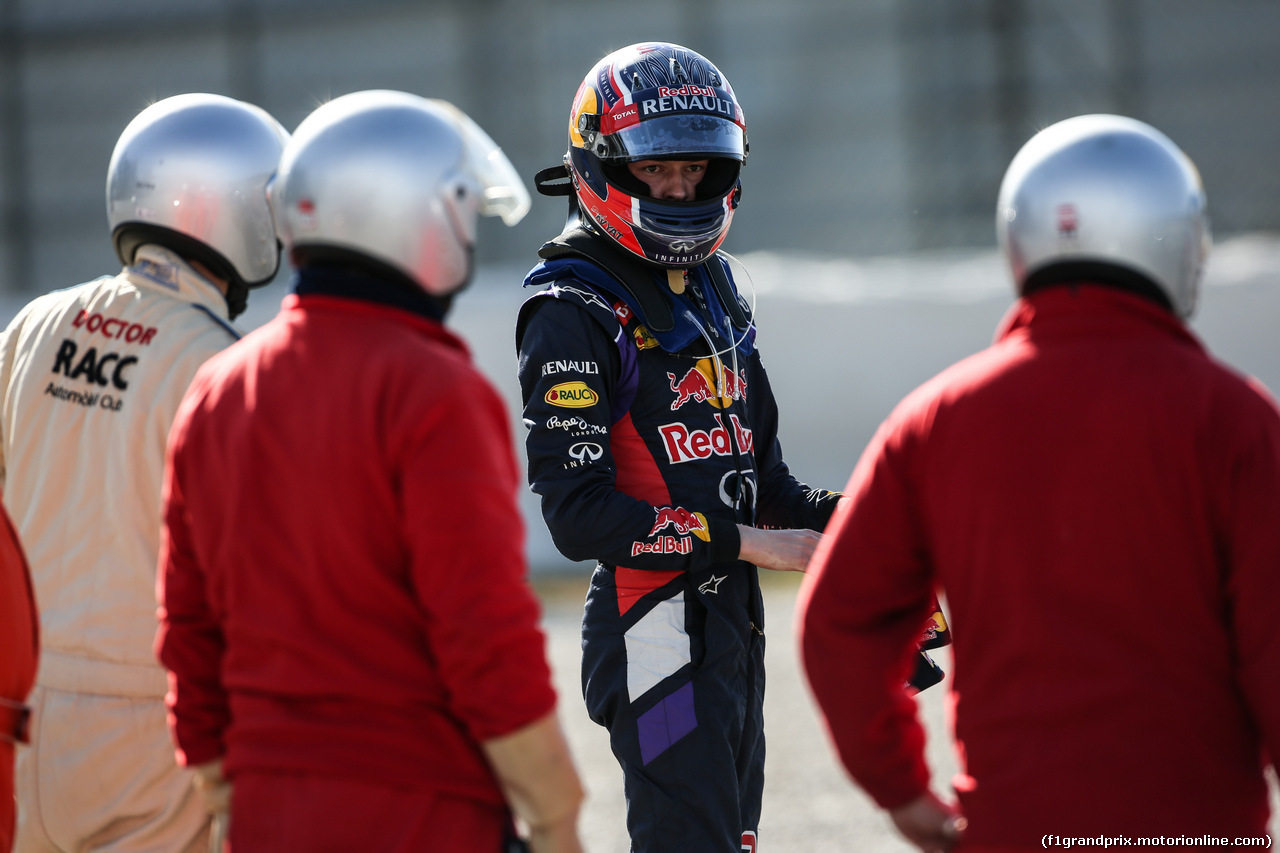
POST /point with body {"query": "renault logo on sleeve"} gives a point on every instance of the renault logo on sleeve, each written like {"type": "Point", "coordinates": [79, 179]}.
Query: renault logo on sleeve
{"type": "Point", "coordinates": [585, 451]}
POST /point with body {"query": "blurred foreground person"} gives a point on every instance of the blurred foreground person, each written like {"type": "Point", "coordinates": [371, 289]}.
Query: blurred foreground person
{"type": "Point", "coordinates": [90, 380]}
{"type": "Point", "coordinates": [19, 650]}
{"type": "Point", "coordinates": [346, 612]}
{"type": "Point", "coordinates": [1097, 499]}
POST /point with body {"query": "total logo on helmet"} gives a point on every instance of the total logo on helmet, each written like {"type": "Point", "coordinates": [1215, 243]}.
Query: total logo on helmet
{"type": "Point", "coordinates": [699, 385]}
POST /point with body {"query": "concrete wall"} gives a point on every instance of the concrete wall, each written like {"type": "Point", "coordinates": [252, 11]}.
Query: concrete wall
{"type": "Point", "coordinates": [844, 340]}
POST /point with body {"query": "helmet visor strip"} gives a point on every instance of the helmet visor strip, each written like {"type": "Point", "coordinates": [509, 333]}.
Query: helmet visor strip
{"type": "Point", "coordinates": [505, 195]}
{"type": "Point", "coordinates": [680, 137]}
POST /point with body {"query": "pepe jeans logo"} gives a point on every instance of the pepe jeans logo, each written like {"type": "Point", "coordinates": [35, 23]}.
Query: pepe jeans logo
{"type": "Point", "coordinates": [576, 426]}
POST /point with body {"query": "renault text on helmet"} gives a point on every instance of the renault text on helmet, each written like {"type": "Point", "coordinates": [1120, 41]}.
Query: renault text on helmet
{"type": "Point", "coordinates": [657, 101]}
{"type": "Point", "coordinates": [1104, 189]}
{"type": "Point", "coordinates": [396, 178]}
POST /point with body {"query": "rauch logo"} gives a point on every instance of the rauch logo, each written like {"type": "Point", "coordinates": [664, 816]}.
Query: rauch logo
{"type": "Point", "coordinates": [572, 395]}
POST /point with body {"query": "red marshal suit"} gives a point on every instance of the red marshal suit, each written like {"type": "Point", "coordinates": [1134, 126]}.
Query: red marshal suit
{"type": "Point", "coordinates": [344, 585]}
{"type": "Point", "coordinates": [19, 647]}
{"type": "Point", "coordinates": [1099, 501]}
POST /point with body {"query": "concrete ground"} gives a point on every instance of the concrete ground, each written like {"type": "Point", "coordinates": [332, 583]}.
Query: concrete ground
{"type": "Point", "coordinates": [810, 806]}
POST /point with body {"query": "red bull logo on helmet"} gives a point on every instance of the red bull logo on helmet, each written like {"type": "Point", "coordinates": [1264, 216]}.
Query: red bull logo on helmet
{"type": "Point", "coordinates": [572, 395]}
{"type": "Point", "coordinates": [699, 385]}
{"type": "Point", "coordinates": [687, 89]}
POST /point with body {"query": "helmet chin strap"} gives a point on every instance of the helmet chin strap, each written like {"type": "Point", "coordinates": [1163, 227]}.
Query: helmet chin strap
{"type": "Point", "coordinates": [208, 262]}
{"type": "Point", "coordinates": [233, 290]}
{"type": "Point", "coordinates": [237, 296]}
{"type": "Point", "coordinates": [554, 180]}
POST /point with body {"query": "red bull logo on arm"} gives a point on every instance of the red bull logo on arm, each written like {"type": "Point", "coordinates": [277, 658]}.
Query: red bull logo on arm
{"type": "Point", "coordinates": [699, 385]}
{"type": "Point", "coordinates": [682, 520]}
{"type": "Point", "coordinates": [663, 545]}
{"type": "Point", "coordinates": [935, 633]}
{"type": "Point", "coordinates": [937, 623]}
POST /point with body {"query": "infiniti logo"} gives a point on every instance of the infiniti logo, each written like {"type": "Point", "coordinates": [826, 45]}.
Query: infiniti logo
{"type": "Point", "coordinates": [585, 451]}
{"type": "Point", "coordinates": [734, 487]}
{"type": "Point", "coordinates": [682, 245]}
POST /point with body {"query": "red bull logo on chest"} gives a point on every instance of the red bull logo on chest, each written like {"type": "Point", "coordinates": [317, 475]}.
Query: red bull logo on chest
{"type": "Point", "coordinates": [699, 385]}
{"type": "Point", "coordinates": [687, 445]}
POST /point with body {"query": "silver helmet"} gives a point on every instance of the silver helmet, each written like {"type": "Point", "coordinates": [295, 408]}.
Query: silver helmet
{"type": "Point", "coordinates": [396, 178]}
{"type": "Point", "coordinates": [191, 172]}
{"type": "Point", "coordinates": [1105, 189]}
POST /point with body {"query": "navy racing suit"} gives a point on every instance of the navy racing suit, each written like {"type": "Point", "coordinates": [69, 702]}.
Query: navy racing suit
{"type": "Point", "coordinates": [652, 433]}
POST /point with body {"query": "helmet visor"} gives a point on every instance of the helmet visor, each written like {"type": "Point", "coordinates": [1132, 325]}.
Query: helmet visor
{"type": "Point", "coordinates": [504, 193]}
{"type": "Point", "coordinates": [681, 136]}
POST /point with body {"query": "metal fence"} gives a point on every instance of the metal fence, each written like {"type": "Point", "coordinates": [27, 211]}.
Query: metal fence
{"type": "Point", "coordinates": [876, 126]}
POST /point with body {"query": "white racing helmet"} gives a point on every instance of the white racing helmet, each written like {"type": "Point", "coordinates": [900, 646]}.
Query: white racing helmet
{"type": "Point", "coordinates": [1105, 190]}
{"type": "Point", "coordinates": [397, 178]}
{"type": "Point", "coordinates": [191, 173]}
